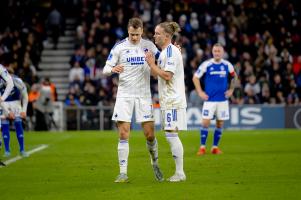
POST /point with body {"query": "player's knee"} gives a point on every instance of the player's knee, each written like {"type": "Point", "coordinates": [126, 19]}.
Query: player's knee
{"type": "Point", "coordinates": [219, 124]}
{"type": "Point", "coordinates": [150, 137]}
{"type": "Point", "coordinates": [124, 133]}
{"type": "Point", "coordinates": [205, 123]}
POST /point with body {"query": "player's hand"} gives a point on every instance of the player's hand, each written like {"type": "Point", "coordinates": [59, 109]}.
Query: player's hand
{"type": "Point", "coordinates": [178, 46]}
{"type": "Point", "coordinates": [1, 100]}
{"type": "Point", "coordinates": [203, 96]}
{"type": "Point", "coordinates": [228, 93]}
{"type": "Point", "coordinates": [149, 58]}
{"type": "Point", "coordinates": [118, 69]}
{"type": "Point", "coordinates": [23, 115]}
{"type": "Point", "coordinates": [11, 115]}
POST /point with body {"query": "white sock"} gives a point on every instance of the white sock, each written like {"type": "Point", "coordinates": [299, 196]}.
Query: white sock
{"type": "Point", "coordinates": [123, 154]}
{"type": "Point", "coordinates": [152, 147]}
{"type": "Point", "coordinates": [176, 150]}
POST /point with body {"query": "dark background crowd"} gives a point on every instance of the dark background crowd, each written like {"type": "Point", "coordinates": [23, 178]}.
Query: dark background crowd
{"type": "Point", "coordinates": [262, 40]}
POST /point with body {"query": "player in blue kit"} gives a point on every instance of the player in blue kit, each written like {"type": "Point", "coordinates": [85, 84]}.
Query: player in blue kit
{"type": "Point", "coordinates": [14, 108]}
{"type": "Point", "coordinates": [217, 91]}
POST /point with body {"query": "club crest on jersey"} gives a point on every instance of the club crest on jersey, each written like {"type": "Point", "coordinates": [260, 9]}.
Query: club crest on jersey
{"type": "Point", "coordinates": [145, 50]}
{"type": "Point", "coordinates": [222, 68]}
{"type": "Point", "coordinates": [127, 51]}
{"type": "Point", "coordinates": [110, 56]}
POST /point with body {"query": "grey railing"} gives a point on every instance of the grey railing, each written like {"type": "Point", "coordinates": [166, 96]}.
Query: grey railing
{"type": "Point", "coordinates": [87, 117]}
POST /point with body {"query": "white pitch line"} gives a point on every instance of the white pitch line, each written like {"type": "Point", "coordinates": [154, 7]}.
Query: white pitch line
{"type": "Point", "coordinates": [12, 160]}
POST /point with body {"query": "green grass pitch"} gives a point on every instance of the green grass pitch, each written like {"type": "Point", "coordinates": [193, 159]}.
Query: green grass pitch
{"type": "Point", "coordinates": [258, 164]}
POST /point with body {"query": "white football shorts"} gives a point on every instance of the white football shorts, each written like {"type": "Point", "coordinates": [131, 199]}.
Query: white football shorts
{"type": "Point", "coordinates": [174, 119]}
{"type": "Point", "coordinates": [124, 109]}
{"type": "Point", "coordinates": [220, 110]}
{"type": "Point", "coordinates": [11, 106]}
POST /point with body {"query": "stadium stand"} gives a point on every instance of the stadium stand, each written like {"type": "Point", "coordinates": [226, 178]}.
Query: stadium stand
{"type": "Point", "coordinates": [262, 39]}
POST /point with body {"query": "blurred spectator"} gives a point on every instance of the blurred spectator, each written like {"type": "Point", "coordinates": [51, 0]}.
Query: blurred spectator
{"type": "Point", "coordinates": [76, 73]}
{"type": "Point", "coordinates": [252, 85]}
{"type": "Point", "coordinates": [293, 98]}
{"type": "Point", "coordinates": [72, 100]}
{"type": "Point", "coordinates": [43, 108]}
{"type": "Point", "coordinates": [238, 93]}
{"type": "Point", "coordinates": [277, 86]}
{"type": "Point", "coordinates": [55, 23]}
{"type": "Point", "coordinates": [265, 94]}
{"type": "Point", "coordinates": [297, 66]}
{"type": "Point", "coordinates": [251, 97]}
{"type": "Point", "coordinates": [52, 86]}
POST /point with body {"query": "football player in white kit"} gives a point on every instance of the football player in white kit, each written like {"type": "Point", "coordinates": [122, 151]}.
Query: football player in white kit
{"type": "Point", "coordinates": [6, 87]}
{"type": "Point", "coordinates": [217, 91]}
{"type": "Point", "coordinates": [127, 58]}
{"type": "Point", "coordinates": [15, 109]}
{"type": "Point", "coordinates": [171, 86]}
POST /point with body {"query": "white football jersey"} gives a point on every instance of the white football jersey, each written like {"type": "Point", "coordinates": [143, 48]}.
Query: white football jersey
{"type": "Point", "coordinates": [8, 84]}
{"type": "Point", "coordinates": [134, 81]}
{"type": "Point", "coordinates": [172, 93]}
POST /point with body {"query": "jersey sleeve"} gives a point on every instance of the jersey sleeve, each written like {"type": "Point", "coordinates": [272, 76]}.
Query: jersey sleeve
{"type": "Point", "coordinates": [231, 69]}
{"type": "Point", "coordinates": [112, 61]}
{"type": "Point", "coordinates": [9, 83]}
{"type": "Point", "coordinates": [171, 59]}
{"type": "Point", "coordinates": [201, 70]}
{"type": "Point", "coordinates": [113, 57]}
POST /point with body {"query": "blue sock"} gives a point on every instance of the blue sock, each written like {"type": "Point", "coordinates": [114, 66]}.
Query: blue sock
{"type": "Point", "coordinates": [5, 134]}
{"type": "Point", "coordinates": [204, 135]}
{"type": "Point", "coordinates": [19, 132]}
{"type": "Point", "coordinates": [217, 136]}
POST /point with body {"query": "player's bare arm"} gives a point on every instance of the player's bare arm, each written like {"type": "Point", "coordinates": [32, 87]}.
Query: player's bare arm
{"type": "Point", "coordinates": [229, 92]}
{"type": "Point", "coordinates": [199, 89]}
{"type": "Point", "coordinates": [155, 70]}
